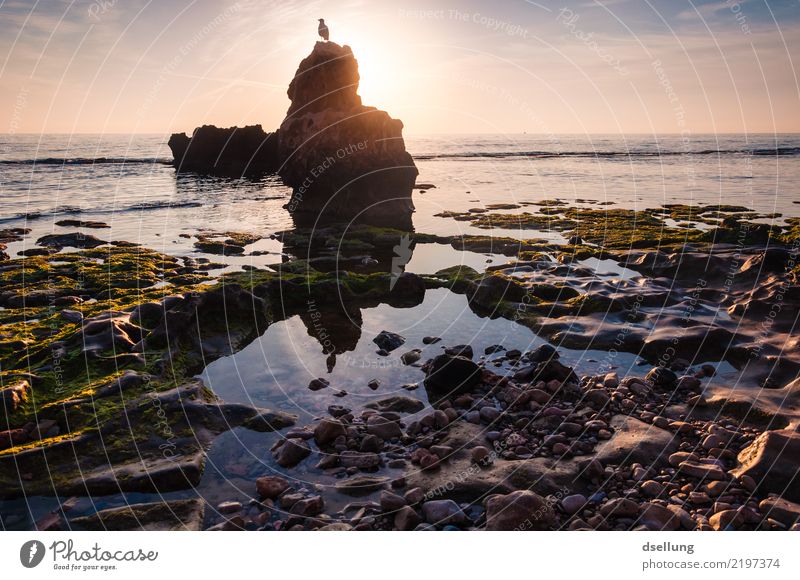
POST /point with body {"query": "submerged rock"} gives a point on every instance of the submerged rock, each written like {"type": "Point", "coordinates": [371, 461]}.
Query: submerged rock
{"type": "Point", "coordinates": [397, 404]}
{"type": "Point", "coordinates": [388, 341]}
{"type": "Point", "coordinates": [71, 240]}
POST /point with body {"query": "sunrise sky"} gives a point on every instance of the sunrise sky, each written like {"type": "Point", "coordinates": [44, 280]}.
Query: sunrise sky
{"type": "Point", "coordinates": [507, 66]}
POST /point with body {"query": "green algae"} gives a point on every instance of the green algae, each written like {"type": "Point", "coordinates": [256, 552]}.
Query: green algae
{"type": "Point", "coordinates": [615, 229]}
{"type": "Point", "coordinates": [35, 335]}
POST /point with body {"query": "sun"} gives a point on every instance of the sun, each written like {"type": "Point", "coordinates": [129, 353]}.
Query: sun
{"type": "Point", "coordinates": [380, 68]}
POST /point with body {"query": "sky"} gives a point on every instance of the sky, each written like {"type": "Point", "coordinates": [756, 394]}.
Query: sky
{"type": "Point", "coordinates": [506, 66]}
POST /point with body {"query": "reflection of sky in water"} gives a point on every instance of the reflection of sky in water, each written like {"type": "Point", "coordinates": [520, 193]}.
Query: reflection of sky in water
{"type": "Point", "coordinates": [609, 269]}
{"type": "Point", "coordinates": [275, 369]}
{"type": "Point", "coordinates": [430, 258]}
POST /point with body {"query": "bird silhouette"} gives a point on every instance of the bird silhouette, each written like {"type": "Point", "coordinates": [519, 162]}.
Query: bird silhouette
{"type": "Point", "coordinates": [323, 29]}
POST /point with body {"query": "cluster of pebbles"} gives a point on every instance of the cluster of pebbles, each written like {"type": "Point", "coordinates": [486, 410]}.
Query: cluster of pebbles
{"type": "Point", "coordinates": [672, 471]}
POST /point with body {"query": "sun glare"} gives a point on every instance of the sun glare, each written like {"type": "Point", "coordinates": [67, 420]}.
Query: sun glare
{"type": "Point", "coordinates": [382, 71]}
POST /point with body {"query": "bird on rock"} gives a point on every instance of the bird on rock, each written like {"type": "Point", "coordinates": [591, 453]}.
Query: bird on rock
{"type": "Point", "coordinates": [323, 29]}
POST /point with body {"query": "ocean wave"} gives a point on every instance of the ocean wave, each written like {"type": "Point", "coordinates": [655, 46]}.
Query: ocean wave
{"type": "Point", "coordinates": [769, 151]}
{"type": "Point", "coordinates": [88, 161]}
{"type": "Point", "coordinates": [69, 210]}
{"type": "Point", "coordinates": [777, 151]}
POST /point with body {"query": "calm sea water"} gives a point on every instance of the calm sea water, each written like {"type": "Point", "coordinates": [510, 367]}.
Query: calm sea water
{"type": "Point", "coordinates": [126, 180]}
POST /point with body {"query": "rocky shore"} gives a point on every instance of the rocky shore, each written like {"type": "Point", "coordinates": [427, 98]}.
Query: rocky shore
{"type": "Point", "coordinates": [99, 384]}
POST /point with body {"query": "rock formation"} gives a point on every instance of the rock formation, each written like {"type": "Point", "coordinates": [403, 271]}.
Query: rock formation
{"type": "Point", "coordinates": [344, 160]}
{"type": "Point", "coordinates": [233, 151]}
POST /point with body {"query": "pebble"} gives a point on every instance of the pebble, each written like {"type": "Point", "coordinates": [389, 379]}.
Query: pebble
{"type": "Point", "coordinates": [271, 486]}
{"type": "Point", "coordinates": [748, 483]}
{"type": "Point", "coordinates": [318, 384]}
{"type": "Point", "coordinates": [229, 507]}
{"type": "Point", "coordinates": [414, 496]}
{"type": "Point", "coordinates": [411, 356]}
{"type": "Point", "coordinates": [701, 470]}
{"type": "Point", "coordinates": [440, 419]}
{"type": "Point", "coordinates": [652, 488]}
{"type": "Point", "coordinates": [715, 488]}
{"type": "Point", "coordinates": [711, 441]}
{"type": "Point", "coordinates": [292, 452]}
{"type": "Point", "coordinates": [620, 507]}
{"type": "Point", "coordinates": [383, 428]}
{"type": "Point", "coordinates": [560, 449]}
{"type": "Point", "coordinates": [443, 512]}
{"type": "Point", "coordinates": [727, 519]}
{"type": "Point", "coordinates": [677, 458]}
{"type": "Point", "coordinates": [571, 504]}
{"type": "Point", "coordinates": [406, 519]}
{"type": "Point", "coordinates": [391, 502]}
{"type": "Point", "coordinates": [699, 497]}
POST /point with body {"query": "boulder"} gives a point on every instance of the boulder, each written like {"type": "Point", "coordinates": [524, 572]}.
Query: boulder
{"type": "Point", "coordinates": [342, 159]}
{"type": "Point", "coordinates": [518, 510]}
{"type": "Point", "coordinates": [635, 441]}
{"type": "Point", "coordinates": [773, 461]}
{"type": "Point", "coordinates": [328, 430]}
{"type": "Point", "coordinates": [292, 452]}
{"type": "Point", "coordinates": [448, 375]}
{"type": "Point", "coordinates": [786, 512]}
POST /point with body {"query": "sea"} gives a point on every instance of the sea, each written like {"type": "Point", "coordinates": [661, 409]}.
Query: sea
{"type": "Point", "coordinates": [128, 182]}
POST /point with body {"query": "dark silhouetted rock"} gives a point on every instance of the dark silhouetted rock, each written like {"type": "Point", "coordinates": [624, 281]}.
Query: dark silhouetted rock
{"type": "Point", "coordinates": [71, 240]}
{"type": "Point", "coordinates": [233, 151]}
{"type": "Point", "coordinates": [388, 341]}
{"type": "Point", "coordinates": [448, 375]}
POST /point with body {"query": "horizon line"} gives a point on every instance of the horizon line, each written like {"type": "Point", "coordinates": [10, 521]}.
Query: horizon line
{"type": "Point", "coordinates": [620, 133]}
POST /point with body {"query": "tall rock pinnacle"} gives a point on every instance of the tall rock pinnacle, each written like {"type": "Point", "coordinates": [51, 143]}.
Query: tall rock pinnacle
{"type": "Point", "coordinates": [343, 160]}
